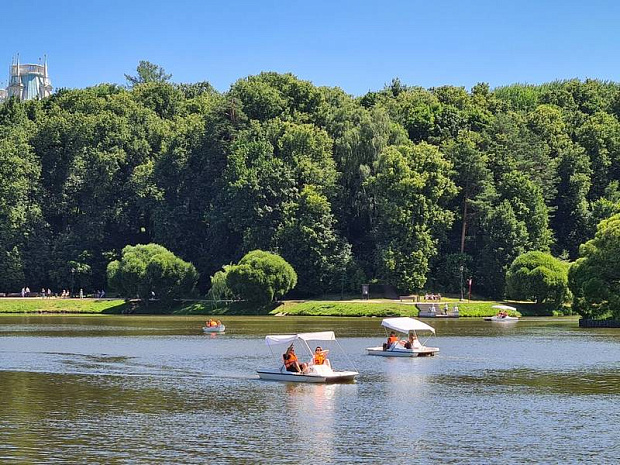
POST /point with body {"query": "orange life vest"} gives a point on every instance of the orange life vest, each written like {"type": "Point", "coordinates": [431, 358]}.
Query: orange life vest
{"type": "Point", "coordinates": [392, 339]}
{"type": "Point", "coordinates": [319, 358]}
{"type": "Point", "coordinates": [292, 358]}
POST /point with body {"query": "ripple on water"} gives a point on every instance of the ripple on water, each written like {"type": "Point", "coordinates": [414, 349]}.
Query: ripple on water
{"type": "Point", "coordinates": [509, 397]}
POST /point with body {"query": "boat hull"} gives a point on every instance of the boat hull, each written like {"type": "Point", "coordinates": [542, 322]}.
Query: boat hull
{"type": "Point", "coordinates": [214, 329]}
{"type": "Point", "coordinates": [422, 352]}
{"type": "Point", "coordinates": [289, 377]}
{"type": "Point", "coordinates": [506, 319]}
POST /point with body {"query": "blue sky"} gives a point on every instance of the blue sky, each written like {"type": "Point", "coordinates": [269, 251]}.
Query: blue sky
{"type": "Point", "coordinates": [356, 45]}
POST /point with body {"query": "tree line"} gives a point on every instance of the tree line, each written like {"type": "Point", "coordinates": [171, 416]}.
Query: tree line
{"type": "Point", "coordinates": [404, 186]}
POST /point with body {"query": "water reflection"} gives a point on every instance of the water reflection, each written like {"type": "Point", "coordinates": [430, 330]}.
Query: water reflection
{"type": "Point", "coordinates": [151, 390]}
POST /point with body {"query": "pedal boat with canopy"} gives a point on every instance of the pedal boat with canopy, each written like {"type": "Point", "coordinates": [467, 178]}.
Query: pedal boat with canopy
{"type": "Point", "coordinates": [502, 316]}
{"type": "Point", "coordinates": [315, 373]}
{"type": "Point", "coordinates": [406, 326]}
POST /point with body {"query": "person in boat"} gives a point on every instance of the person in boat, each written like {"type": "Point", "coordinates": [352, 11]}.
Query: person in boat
{"type": "Point", "coordinates": [320, 357]}
{"type": "Point", "coordinates": [410, 341]}
{"type": "Point", "coordinates": [291, 362]}
{"type": "Point", "coordinates": [392, 338]}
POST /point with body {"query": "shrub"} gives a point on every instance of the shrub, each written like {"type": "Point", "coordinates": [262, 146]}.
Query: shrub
{"type": "Point", "coordinates": [261, 277]}
{"type": "Point", "coordinates": [146, 269]}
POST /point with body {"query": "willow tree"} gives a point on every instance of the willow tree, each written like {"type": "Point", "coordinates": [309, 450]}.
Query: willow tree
{"type": "Point", "coordinates": [593, 278]}
{"type": "Point", "coordinates": [151, 268]}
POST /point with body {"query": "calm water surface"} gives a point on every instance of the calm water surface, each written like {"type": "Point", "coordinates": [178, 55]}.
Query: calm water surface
{"type": "Point", "coordinates": [109, 389]}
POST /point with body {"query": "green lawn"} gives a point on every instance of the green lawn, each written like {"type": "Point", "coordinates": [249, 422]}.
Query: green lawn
{"type": "Point", "coordinates": [381, 308]}
{"type": "Point", "coordinates": [37, 305]}
{"type": "Point", "coordinates": [374, 307]}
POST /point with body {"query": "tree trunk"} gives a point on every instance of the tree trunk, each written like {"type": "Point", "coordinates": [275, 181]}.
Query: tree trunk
{"type": "Point", "coordinates": [464, 228]}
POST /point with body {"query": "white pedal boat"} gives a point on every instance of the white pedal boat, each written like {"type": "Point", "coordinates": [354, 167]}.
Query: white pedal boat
{"type": "Point", "coordinates": [502, 319]}
{"type": "Point", "coordinates": [314, 373]}
{"type": "Point", "coordinates": [407, 326]}
{"type": "Point", "coordinates": [502, 316]}
{"type": "Point", "coordinates": [214, 329]}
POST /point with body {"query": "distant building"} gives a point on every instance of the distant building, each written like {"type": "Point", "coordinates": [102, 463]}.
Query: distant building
{"type": "Point", "coordinates": [3, 95]}
{"type": "Point", "coordinates": [27, 81]}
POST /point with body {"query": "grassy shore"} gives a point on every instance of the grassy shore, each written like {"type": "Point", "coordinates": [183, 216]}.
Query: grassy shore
{"type": "Point", "coordinates": [373, 307]}
{"type": "Point", "coordinates": [381, 308]}
{"type": "Point", "coordinates": [33, 305]}
{"type": "Point", "coordinates": [81, 306]}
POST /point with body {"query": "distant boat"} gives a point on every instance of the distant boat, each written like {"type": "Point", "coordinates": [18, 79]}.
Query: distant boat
{"type": "Point", "coordinates": [405, 325]}
{"type": "Point", "coordinates": [502, 316]}
{"type": "Point", "coordinates": [322, 373]}
{"type": "Point", "coordinates": [214, 329]}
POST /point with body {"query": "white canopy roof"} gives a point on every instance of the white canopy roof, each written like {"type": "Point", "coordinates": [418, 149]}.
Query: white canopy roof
{"type": "Point", "coordinates": [287, 338]}
{"type": "Point", "coordinates": [406, 324]}
{"type": "Point", "coordinates": [503, 307]}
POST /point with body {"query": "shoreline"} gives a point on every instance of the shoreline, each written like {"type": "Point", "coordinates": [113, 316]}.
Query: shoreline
{"type": "Point", "coordinates": [343, 308]}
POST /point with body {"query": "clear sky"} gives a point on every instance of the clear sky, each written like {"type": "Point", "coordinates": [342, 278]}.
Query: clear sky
{"type": "Point", "coordinates": [356, 45]}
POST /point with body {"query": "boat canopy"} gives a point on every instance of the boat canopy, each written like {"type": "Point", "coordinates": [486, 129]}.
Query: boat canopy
{"type": "Point", "coordinates": [287, 338]}
{"type": "Point", "coordinates": [406, 324]}
{"type": "Point", "coordinates": [504, 307]}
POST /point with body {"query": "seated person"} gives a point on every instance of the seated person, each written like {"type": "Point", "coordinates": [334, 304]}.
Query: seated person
{"type": "Point", "coordinates": [391, 340]}
{"type": "Point", "coordinates": [320, 357]}
{"type": "Point", "coordinates": [291, 362]}
{"type": "Point", "coordinates": [411, 340]}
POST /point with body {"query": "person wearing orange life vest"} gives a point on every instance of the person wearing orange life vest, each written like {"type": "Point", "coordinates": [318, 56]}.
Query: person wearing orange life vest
{"type": "Point", "coordinates": [391, 340]}
{"type": "Point", "coordinates": [320, 357]}
{"type": "Point", "coordinates": [291, 362]}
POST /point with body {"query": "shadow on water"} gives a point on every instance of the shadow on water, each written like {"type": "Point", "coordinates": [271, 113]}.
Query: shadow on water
{"type": "Point", "coordinates": [606, 382]}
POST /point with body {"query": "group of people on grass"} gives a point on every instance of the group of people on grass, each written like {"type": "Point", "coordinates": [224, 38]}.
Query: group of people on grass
{"type": "Point", "coordinates": [292, 363]}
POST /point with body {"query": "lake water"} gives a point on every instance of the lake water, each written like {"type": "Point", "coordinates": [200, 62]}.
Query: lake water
{"type": "Point", "coordinates": [110, 389]}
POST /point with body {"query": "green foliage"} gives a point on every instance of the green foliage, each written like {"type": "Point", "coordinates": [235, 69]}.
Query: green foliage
{"type": "Point", "coordinates": [261, 277]}
{"type": "Point", "coordinates": [147, 72]}
{"type": "Point", "coordinates": [308, 241]}
{"type": "Point", "coordinates": [219, 288]}
{"type": "Point", "coordinates": [539, 277]}
{"type": "Point", "coordinates": [410, 189]}
{"type": "Point", "coordinates": [391, 187]}
{"type": "Point", "coordinates": [146, 269]}
{"type": "Point", "coordinates": [504, 239]}
{"type": "Point", "coordinates": [593, 278]}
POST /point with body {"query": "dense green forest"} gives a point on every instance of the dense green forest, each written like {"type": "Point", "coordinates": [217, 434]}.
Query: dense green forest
{"type": "Point", "coordinates": [401, 186]}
